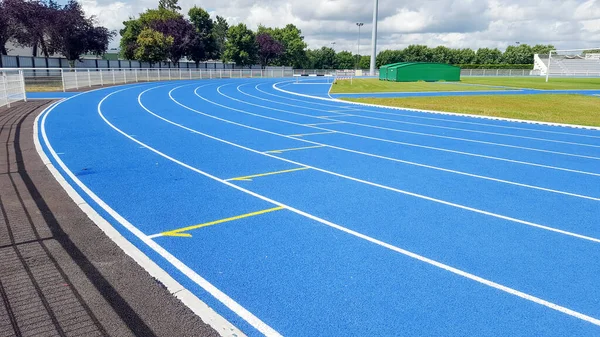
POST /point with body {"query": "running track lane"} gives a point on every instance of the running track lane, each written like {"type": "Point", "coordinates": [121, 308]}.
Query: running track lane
{"type": "Point", "coordinates": [267, 262]}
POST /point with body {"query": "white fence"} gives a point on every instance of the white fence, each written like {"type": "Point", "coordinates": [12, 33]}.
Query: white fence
{"type": "Point", "coordinates": [499, 72]}
{"type": "Point", "coordinates": [56, 79]}
{"type": "Point", "coordinates": [12, 87]}
{"type": "Point", "coordinates": [81, 78]}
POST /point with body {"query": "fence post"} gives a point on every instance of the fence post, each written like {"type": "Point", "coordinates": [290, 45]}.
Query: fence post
{"type": "Point", "coordinates": [22, 78]}
{"type": "Point", "coordinates": [509, 72]}
{"type": "Point", "coordinates": [497, 72]}
{"type": "Point", "coordinates": [89, 79]}
{"type": "Point", "coordinates": [169, 71]}
{"type": "Point", "coordinates": [76, 79]}
{"type": "Point", "coordinates": [210, 73]}
{"type": "Point", "coordinates": [124, 75]}
{"type": "Point", "coordinates": [101, 77]}
{"type": "Point", "coordinates": [62, 76]}
{"type": "Point", "coordinates": [190, 71]}
{"type": "Point", "coordinates": [159, 73]}
{"type": "Point", "coordinates": [113, 75]}
{"type": "Point", "coordinates": [3, 81]}
{"type": "Point", "coordinates": [220, 73]}
{"type": "Point", "coordinates": [147, 75]}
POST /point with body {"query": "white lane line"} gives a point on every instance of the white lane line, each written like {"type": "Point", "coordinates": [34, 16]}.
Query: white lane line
{"type": "Point", "coordinates": [418, 257]}
{"type": "Point", "coordinates": [325, 123]}
{"type": "Point", "coordinates": [191, 274]}
{"type": "Point", "coordinates": [207, 314]}
{"type": "Point", "coordinates": [277, 87]}
{"type": "Point", "coordinates": [552, 229]}
{"type": "Point", "coordinates": [408, 131]}
{"type": "Point", "coordinates": [312, 134]}
{"type": "Point", "coordinates": [389, 141]}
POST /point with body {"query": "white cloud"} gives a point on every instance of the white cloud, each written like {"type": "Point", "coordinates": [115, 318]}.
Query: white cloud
{"type": "Point", "coordinates": [454, 23]}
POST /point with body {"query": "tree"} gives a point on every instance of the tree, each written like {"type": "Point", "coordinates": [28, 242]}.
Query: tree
{"type": "Point", "coordinates": [219, 33]}
{"type": "Point", "coordinates": [152, 46]}
{"type": "Point", "coordinates": [269, 49]}
{"type": "Point", "coordinates": [344, 60]}
{"type": "Point", "coordinates": [170, 5]}
{"type": "Point", "coordinates": [417, 53]}
{"type": "Point", "coordinates": [202, 44]}
{"type": "Point", "coordinates": [240, 46]}
{"type": "Point", "coordinates": [293, 42]}
{"type": "Point", "coordinates": [129, 35]}
{"type": "Point", "coordinates": [73, 34]}
{"type": "Point", "coordinates": [522, 54]}
{"type": "Point", "coordinates": [32, 21]}
{"type": "Point", "coordinates": [364, 62]}
{"type": "Point", "coordinates": [180, 30]}
{"type": "Point", "coordinates": [389, 57]}
{"type": "Point", "coordinates": [488, 56]}
{"type": "Point", "coordinates": [168, 22]}
{"type": "Point", "coordinates": [325, 58]}
{"type": "Point", "coordinates": [441, 54]}
{"type": "Point", "coordinates": [7, 28]}
{"type": "Point", "coordinates": [542, 49]}
{"type": "Point", "coordinates": [465, 56]}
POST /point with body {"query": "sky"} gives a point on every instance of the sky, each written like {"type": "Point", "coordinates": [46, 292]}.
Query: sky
{"type": "Point", "coordinates": [567, 24]}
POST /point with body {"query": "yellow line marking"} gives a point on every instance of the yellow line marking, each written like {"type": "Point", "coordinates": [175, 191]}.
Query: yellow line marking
{"type": "Point", "coordinates": [249, 178]}
{"type": "Point", "coordinates": [314, 133]}
{"type": "Point", "coordinates": [314, 124]}
{"type": "Point", "coordinates": [295, 149]}
{"type": "Point", "coordinates": [178, 232]}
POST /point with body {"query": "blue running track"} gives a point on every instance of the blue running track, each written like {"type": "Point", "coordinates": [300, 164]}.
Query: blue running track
{"type": "Point", "coordinates": [300, 216]}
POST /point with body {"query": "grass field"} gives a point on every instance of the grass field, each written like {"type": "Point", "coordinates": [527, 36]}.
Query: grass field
{"type": "Point", "coordinates": [568, 109]}
{"type": "Point", "coordinates": [375, 85]}
{"type": "Point", "coordinates": [536, 82]}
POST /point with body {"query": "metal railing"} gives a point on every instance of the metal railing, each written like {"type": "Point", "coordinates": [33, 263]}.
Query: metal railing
{"type": "Point", "coordinates": [12, 87]}
{"type": "Point", "coordinates": [56, 79]}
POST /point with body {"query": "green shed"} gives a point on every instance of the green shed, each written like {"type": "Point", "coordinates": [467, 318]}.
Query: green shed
{"type": "Point", "coordinates": [418, 71]}
{"type": "Point", "coordinates": [383, 70]}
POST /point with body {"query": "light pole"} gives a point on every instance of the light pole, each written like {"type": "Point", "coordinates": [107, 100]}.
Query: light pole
{"type": "Point", "coordinates": [359, 24]}
{"type": "Point", "coordinates": [374, 39]}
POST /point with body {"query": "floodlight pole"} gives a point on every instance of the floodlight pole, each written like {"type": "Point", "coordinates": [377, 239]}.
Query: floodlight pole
{"type": "Point", "coordinates": [374, 38]}
{"type": "Point", "coordinates": [359, 24]}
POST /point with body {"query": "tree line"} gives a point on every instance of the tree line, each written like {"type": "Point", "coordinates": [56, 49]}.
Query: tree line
{"type": "Point", "coordinates": [163, 34]}
{"type": "Point", "coordinates": [522, 54]}
{"type": "Point", "coordinates": [46, 26]}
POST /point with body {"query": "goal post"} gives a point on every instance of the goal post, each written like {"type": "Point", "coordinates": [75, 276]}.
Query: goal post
{"type": "Point", "coordinates": [575, 62]}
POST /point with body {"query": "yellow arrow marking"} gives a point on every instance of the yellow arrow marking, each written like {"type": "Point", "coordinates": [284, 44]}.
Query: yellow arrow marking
{"type": "Point", "coordinates": [178, 232]}
{"type": "Point", "coordinates": [249, 178]}
{"type": "Point", "coordinates": [294, 149]}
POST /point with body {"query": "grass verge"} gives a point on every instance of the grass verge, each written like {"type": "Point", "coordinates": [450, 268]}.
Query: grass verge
{"type": "Point", "coordinates": [537, 82]}
{"type": "Point", "coordinates": [43, 87]}
{"type": "Point", "coordinates": [366, 85]}
{"type": "Point", "coordinates": [361, 85]}
{"type": "Point", "coordinates": [566, 109]}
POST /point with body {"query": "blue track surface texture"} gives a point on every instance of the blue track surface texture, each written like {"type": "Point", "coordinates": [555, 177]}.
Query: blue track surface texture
{"type": "Point", "coordinates": [383, 222]}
